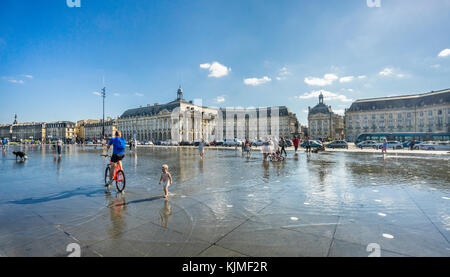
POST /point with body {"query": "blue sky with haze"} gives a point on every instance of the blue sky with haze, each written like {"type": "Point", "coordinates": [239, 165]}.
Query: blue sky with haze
{"type": "Point", "coordinates": [228, 53]}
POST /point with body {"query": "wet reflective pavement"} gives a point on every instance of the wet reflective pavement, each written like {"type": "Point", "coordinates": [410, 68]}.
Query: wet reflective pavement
{"type": "Point", "coordinates": [327, 204]}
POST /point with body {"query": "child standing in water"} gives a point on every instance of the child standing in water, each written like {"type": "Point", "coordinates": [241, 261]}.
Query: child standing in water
{"type": "Point", "coordinates": [166, 178]}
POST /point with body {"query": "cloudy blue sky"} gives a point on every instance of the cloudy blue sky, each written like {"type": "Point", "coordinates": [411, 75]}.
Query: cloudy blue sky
{"type": "Point", "coordinates": [228, 53]}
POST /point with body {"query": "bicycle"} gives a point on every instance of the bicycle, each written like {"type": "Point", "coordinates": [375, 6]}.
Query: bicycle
{"type": "Point", "coordinates": [118, 175]}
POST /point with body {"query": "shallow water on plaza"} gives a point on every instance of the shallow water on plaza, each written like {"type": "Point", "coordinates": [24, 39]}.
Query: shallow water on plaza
{"type": "Point", "coordinates": [69, 191]}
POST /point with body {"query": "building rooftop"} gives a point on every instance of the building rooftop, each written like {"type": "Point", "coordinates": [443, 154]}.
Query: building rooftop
{"type": "Point", "coordinates": [404, 101]}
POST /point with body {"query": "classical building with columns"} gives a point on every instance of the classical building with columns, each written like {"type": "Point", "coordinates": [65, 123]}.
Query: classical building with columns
{"type": "Point", "coordinates": [323, 123]}
{"type": "Point", "coordinates": [175, 121]}
{"type": "Point", "coordinates": [257, 123]}
{"type": "Point", "coordinates": [426, 112]}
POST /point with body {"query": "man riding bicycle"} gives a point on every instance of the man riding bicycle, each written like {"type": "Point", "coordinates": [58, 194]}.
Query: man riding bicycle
{"type": "Point", "coordinates": [119, 145]}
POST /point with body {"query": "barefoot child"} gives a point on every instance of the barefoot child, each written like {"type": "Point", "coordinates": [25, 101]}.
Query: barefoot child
{"type": "Point", "coordinates": [166, 178]}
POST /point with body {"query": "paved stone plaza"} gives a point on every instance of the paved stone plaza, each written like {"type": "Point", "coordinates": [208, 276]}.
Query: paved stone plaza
{"type": "Point", "coordinates": [327, 204]}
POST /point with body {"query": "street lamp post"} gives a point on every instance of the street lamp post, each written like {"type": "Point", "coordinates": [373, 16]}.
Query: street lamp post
{"type": "Point", "coordinates": [103, 96]}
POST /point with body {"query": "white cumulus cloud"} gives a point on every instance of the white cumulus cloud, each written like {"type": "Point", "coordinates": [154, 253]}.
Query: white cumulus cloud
{"type": "Point", "coordinates": [216, 69]}
{"type": "Point", "coordinates": [139, 94]}
{"type": "Point", "coordinates": [16, 81]}
{"type": "Point", "coordinates": [327, 95]}
{"type": "Point", "coordinates": [444, 53]}
{"type": "Point", "coordinates": [386, 72]}
{"type": "Point", "coordinates": [346, 79]}
{"type": "Point", "coordinates": [283, 73]}
{"type": "Point", "coordinates": [327, 79]}
{"type": "Point", "coordinates": [219, 99]}
{"type": "Point", "coordinates": [96, 93]}
{"type": "Point", "coordinates": [257, 81]}
{"type": "Point", "coordinates": [116, 94]}
{"type": "Point", "coordinates": [362, 76]}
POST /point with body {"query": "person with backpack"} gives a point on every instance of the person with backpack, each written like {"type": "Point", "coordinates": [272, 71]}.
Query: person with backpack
{"type": "Point", "coordinates": [119, 144]}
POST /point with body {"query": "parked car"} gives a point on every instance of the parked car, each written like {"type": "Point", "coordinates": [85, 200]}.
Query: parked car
{"type": "Point", "coordinates": [257, 143]}
{"type": "Point", "coordinates": [289, 142]}
{"type": "Point", "coordinates": [434, 145]}
{"type": "Point", "coordinates": [219, 143]}
{"type": "Point", "coordinates": [232, 142]}
{"type": "Point", "coordinates": [337, 144]}
{"type": "Point", "coordinates": [185, 143]}
{"type": "Point", "coordinates": [148, 143]}
{"type": "Point", "coordinates": [392, 144]}
{"type": "Point", "coordinates": [369, 144]}
{"type": "Point", "coordinates": [197, 142]}
{"type": "Point", "coordinates": [312, 143]}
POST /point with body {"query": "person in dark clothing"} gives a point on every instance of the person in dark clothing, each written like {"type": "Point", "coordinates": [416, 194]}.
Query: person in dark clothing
{"type": "Point", "coordinates": [283, 147]}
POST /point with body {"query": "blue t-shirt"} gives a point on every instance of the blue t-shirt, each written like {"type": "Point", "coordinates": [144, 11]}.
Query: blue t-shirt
{"type": "Point", "coordinates": [119, 145]}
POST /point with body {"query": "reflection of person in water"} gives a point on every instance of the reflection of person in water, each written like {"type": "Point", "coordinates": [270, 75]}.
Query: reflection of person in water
{"type": "Point", "coordinates": [265, 165]}
{"type": "Point", "coordinates": [165, 213]}
{"type": "Point", "coordinates": [117, 209]}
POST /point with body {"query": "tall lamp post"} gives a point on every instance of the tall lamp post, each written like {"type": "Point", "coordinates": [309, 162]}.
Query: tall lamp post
{"type": "Point", "coordinates": [103, 96]}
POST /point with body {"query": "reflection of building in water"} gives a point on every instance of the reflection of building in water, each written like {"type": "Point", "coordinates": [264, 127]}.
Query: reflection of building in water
{"type": "Point", "coordinates": [323, 123]}
{"type": "Point", "coordinates": [426, 112]}
{"type": "Point", "coordinates": [178, 121]}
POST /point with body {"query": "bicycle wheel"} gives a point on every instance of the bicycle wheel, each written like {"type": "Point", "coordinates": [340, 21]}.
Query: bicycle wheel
{"type": "Point", "coordinates": [107, 175]}
{"type": "Point", "coordinates": [120, 182]}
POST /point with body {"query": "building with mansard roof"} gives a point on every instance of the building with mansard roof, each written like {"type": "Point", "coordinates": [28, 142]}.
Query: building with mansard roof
{"type": "Point", "coordinates": [176, 121]}
{"type": "Point", "coordinates": [425, 112]}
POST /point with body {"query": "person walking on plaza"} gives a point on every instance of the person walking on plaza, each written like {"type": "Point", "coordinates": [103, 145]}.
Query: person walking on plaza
{"type": "Point", "coordinates": [384, 147]}
{"type": "Point", "coordinates": [200, 148]}
{"type": "Point", "coordinates": [283, 147]}
{"type": "Point", "coordinates": [296, 142]}
{"type": "Point", "coordinates": [265, 148]}
{"type": "Point", "coordinates": [59, 144]}
{"type": "Point", "coordinates": [411, 145]}
{"type": "Point", "coordinates": [167, 179]}
{"type": "Point", "coordinates": [248, 147]}
{"type": "Point", "coordinates": [307, 145]}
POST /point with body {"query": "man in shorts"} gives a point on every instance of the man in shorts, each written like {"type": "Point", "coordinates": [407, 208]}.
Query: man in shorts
{"type": "Point", "coordinates": [119, 145]}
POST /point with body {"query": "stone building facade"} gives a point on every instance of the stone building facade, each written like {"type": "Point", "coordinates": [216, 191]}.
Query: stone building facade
{"type": "Point", "coordinates": [323, 123]}
{"type": "Point", "coordinates": [28, 131]}
{"type": "Point", "coordinates": [93, 129]}
{"type": "Point", "coordinates": [426, 112]}
{"type": "Point", "coordinates": [64, 130]}
{"type": "Point", "coordinates": [175, 121]}
{"type": "Point", "coordinates": [256, 123]}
